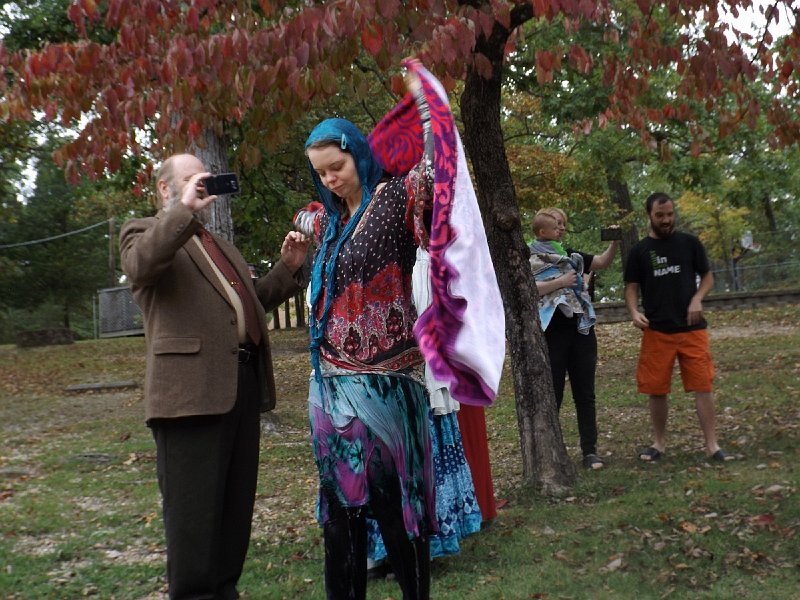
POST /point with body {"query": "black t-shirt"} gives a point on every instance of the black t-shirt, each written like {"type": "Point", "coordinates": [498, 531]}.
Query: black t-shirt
{"type": "Point", "coordinates": [666, 271]}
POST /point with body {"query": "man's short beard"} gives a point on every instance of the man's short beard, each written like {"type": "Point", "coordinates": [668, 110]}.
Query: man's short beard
{"type": "Point", "coordinates": [659, 231]}
{"type": "Point", "coordinates": [174, 197]}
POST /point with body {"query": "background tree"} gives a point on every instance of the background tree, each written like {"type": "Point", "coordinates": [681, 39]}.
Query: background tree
{"type": "Point", "coordinates": [56, 279]}
{"type": "Point", "coordinates": [610, 166]}
{"type": "Point", "coordinates": [719, 226]}
{"type": "Point", "coordinates": [52, 283]}
{"type": "Point", "coordinates": [275, 187]}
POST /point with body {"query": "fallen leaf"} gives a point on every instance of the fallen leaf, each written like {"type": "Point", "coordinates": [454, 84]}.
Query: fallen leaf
{"type": "Point", "coordinates": [687, 526]}
{"type": "Point", "coordinates": [765, 519]}
{"type": "Point", "coordinates": [612, 566]}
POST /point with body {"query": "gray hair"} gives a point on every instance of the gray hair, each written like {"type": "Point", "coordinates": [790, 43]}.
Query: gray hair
{"type": "Point", "coordinates": [166, 173]}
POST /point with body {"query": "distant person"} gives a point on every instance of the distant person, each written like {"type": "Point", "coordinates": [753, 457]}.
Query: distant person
{"type": "Point", "coordinates": [209, 375]}
{"type": "Point", "coordinates": [547, 231]}
{"type": "Point", "coordinates": [665, 266]}
{"type": "Point", "coordinates": [567, 317]}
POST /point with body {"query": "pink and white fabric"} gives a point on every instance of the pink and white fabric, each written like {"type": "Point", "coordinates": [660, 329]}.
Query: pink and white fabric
{"type": "Point", "coordinates": [462, 333]}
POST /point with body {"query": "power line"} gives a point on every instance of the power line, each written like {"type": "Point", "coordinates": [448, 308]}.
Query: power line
{"type": "Point", "coordinates": [55, 237]}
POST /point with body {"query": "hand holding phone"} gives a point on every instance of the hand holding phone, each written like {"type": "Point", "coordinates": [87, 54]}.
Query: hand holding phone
{"type": "Point", "coordinates": [608, 234]}
{"type": "Point", "coordinates": [224, 183]}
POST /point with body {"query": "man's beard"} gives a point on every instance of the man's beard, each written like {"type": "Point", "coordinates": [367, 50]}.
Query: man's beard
{"type": "Point", "coordinates": [662, 231]}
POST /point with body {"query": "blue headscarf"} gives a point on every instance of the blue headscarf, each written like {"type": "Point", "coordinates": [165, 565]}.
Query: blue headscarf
{"type": "Point", "coordinates": [349, 139]}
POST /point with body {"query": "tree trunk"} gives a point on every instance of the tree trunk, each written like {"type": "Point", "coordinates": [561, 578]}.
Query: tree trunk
{"type": "Point", "coordinates": [769, 213]}
{"type": "Point", "coordinates": [112, 254]}
{"type": "Point", "coordinates": [212, 150]}
{"type": "Point", "coordinates": [300, 309]}
{"type": "Point", "coordinates": [621, 197]}
{"type": "Point", "coordinates": [545, 462]}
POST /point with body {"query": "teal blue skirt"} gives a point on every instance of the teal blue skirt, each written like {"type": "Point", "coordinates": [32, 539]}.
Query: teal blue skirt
{"type": "Point", "coordinates": [457, 511]}
{"type": "Point", "coordinates": [367, 430]}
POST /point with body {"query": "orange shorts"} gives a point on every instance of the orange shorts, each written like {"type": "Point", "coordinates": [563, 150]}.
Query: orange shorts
{"type": "Point", "coordinates": [657, 358]}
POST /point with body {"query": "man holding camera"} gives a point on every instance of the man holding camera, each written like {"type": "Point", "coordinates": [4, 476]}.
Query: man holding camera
{"type": "Point", "coordinates": [665, 266]}
{"type": "Point", "coordinates": [209, 374]}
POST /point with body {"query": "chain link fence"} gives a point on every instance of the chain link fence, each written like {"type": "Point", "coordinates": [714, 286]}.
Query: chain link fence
{"type": "Point", "coordinates": [118, 313]}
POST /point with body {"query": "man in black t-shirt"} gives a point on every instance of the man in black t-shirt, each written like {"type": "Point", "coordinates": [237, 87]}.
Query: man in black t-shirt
{"type": "Point", "coordinates": [665, 266]}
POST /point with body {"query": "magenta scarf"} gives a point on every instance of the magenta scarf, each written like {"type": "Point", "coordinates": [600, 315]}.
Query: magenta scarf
{"type": "Point", "coordinates": [462, 333]}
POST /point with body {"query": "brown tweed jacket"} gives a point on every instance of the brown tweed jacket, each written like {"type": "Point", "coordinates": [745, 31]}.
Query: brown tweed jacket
{"type": "Point", "coordinates": [190, 325]}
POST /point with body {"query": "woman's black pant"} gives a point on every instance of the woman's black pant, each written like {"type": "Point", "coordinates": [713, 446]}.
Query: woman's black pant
{"type": "Point", "coordinates": [345, 535]}
{"type": "Point", "coordinates": [575, 354]}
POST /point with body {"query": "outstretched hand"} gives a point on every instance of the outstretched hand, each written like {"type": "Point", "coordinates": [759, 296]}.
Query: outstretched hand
{"type": "Point", "coordinates": [412, 80]}
{"type": "Point", "coordinates": [413, 83]}
{"type": "Point", "coordinates": [294, 249]}
{"type": "Point", "coordinates": [194, 192]}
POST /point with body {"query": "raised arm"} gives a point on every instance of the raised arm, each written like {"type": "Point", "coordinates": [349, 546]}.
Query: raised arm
{"type": "Point", "coordinates": [419, 181]}
{"type": "Point", "coordinates": [148, 246]}
{"type": "Point", "coordinates": [426, 164]}
{"type": "Point", "coordinates": [604, 260]}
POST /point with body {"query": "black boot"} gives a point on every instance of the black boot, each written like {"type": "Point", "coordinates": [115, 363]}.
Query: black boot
{"type": "Point", "coordinates": [410, 559]}
{"type": "Point", "coordinates": [418, 585]}
{"type": "Point", "coordinates": [345, 536]}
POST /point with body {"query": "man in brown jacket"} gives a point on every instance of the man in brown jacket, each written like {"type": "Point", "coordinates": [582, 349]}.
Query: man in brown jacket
{"type": "Point", "coordinates": [209, 375]}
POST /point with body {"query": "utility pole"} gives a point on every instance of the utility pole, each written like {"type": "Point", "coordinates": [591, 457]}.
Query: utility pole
{"type": "Point", "coordinates": [112, 254]}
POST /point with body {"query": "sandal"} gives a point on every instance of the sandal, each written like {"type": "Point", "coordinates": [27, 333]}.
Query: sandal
{"type": "Point", "coordinates": [650, 454]}
{"type": "Point", "coordinates": [720, 456]}
{"type": "Point", "coordinates": [593, 462]}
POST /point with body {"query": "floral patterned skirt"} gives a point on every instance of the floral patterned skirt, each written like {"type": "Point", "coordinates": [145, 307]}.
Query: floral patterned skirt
{"type": "Point", "coordinates": [371, 430]}
{"type": "Point", "coordinates": [457, 511]}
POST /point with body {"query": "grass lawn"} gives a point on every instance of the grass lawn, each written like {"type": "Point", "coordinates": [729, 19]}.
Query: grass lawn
{"type": "Point", "coordinates": [80, 513]}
